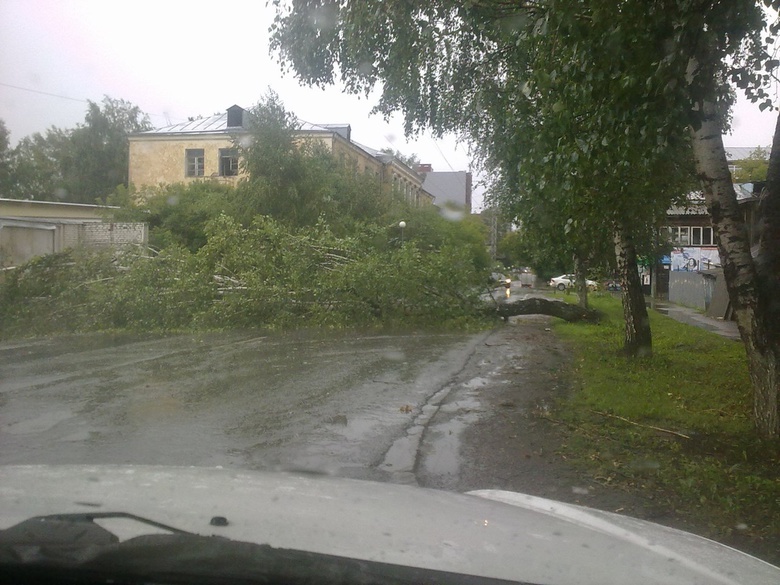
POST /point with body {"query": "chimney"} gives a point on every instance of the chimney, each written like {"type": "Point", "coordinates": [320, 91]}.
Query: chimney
{"type": "Point", "coordinates": [235, 117]}
{"type": "Point", "coordinates": [424, 168]}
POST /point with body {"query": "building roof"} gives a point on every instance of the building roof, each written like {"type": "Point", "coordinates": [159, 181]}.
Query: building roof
{"type": "Point", "coordinates": [212, 125]}
{"type": "Point", "coordinates": [696, 206]}
{"type": "Point", "coordinates": [746, 191]}
{"type": "Point", "coordinates": [742, 152]}
{"type": "Point", "coordinates": [343, 130]}
{"type": "Point", "coordinates": [218, 124]}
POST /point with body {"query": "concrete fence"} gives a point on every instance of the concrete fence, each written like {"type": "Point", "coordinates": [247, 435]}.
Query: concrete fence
{"type": "Point", "coordinates": [24, 239]}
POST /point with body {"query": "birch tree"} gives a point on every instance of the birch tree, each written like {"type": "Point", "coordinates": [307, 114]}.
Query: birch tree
{"type": "Point", "coordinates": [600, 95]}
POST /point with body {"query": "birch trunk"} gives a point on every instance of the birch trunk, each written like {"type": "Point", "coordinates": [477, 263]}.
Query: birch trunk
{"type": "Point", "coordinates": [752, 294]}
{"type": "Point", "coordinates": [638, 338]}
{"type": "Point", "coordinates": [580, 282]}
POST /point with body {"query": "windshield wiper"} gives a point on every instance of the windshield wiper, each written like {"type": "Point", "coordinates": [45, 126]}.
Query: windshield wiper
{"type": "Point", "coordinates": [72, 548]}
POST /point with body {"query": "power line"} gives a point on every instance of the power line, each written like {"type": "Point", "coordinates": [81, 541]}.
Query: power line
{"type": "Point", "coordinates": [436, 144]}
{"type": "Point", "coordinates": [64, 97]}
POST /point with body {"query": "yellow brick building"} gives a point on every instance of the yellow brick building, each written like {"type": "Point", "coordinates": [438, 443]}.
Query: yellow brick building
{"type": "Point", "coordinates": [203, 149]}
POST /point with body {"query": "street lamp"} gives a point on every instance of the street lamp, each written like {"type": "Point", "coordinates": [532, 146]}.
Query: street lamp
{"type": "Point", "coordinates": [402, 225]}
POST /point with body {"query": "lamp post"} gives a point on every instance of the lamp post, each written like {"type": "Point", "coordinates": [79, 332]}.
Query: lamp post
{"type": "Point", "coordinates": [402, 225]}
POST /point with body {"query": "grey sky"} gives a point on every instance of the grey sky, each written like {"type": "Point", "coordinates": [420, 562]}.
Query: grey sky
{"type": "Point", "coordinates": [174, 59]}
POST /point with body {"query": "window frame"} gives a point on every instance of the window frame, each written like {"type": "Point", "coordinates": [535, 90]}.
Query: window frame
{"type": "Point", "coordinates": [699, 236]}
{"type": "Point", "coordinates": [231, 155]}
{"type": "Point", "coordinates": [194, 163]}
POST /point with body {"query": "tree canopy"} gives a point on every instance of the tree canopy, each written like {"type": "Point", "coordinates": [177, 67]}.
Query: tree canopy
{"type": "Point", "coordinates": [597, 109]}
{"type": "Point", "coordinates": [79, 165]}
{"type": "Point", "coordinates": [753, 168]}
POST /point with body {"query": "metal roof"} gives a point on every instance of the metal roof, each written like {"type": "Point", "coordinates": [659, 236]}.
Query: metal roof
{"type": "Point", "coordinates": [217, 124]}
{"type": "Point", "coordinates": [211, 125]}
{"type": "Point", "coordinates": [742, 152]}
{"type": "Point", "coordinates": [696, 206]}
{"type": "Point", "coordinates": [747, 191]}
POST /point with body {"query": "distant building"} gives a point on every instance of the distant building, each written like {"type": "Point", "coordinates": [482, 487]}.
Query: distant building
{"type": "Point", "coordinates": [691, 275]}
{"type": "Point", "coordinates": [447, 187]}
{"type": "Point", "coordinates": [204, 149]}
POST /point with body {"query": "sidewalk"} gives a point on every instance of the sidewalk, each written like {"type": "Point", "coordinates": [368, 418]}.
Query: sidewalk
{"type": "Point", "coordinates": [694, 317]}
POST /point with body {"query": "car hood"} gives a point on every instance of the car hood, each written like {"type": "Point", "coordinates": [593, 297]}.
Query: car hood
{"type": "Point", "coordinates": [490, 533]}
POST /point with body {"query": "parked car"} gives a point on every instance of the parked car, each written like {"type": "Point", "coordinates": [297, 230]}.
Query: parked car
{"type": "Point", "coordinates": [567, 281]}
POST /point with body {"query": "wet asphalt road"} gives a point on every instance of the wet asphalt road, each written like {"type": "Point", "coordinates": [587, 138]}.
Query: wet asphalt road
{"type": "Point", "coordinates": [351, 404]}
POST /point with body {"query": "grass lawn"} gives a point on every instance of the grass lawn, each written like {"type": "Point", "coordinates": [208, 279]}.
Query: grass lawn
{"type": "Point", "coordinates": [676, 426]}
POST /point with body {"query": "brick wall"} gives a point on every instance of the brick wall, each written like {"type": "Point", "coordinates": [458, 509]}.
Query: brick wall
{"type": "Point", "coordinates": [115, 234]}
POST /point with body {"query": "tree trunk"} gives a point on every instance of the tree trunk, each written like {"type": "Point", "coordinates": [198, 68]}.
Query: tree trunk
{"type": "Point", "coordinates": [580, 281]}
{"type": "Point", "coordinates": [638, 338]}
{"type": "Point", "coordinates": [540, 306]}
{"type": "Point", "coordinates": [754, 299]}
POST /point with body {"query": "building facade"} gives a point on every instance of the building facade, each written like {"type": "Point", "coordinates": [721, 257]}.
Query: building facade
{"type": "Point", "coordinates": [449, 188]}
{"type": "Point", "coordinates": [204, 149]}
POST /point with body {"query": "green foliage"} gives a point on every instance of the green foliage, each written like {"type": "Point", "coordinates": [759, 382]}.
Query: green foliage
{"type": "Point", "coordinates": [262, 275]}
{"type": "Point", "coordinates": [428, 229]}
{"type": "Point", "coordinates": [5, 160]}
{"type": "Point", "coordinates": [520, 248]}
{"type": "Point", "coordinates": [696, 384]}
{"type": "Point", "coordinates": [51, 294]}
{"type": "Point", "coordinates": [302, 241]}
{"type": "Point", "coordinates": [411, 161]}
{"type": "Point", "coordinates": [96, 160]}
{"type": "Point", "coordinates": [300, 182]}
{"type": "Point", "coordinates": [177, 214]}
{"type": "Point", "coordinates": [753, 168]}
{"type": "Point", "coordinates": [34, 166]}
{"type": "Point", "coordinates": [564, 101]}
{"type": "Point", "coordinates": [80, 165]}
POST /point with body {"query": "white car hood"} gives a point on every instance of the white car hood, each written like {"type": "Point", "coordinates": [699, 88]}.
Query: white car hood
{"type": "Point", "coordinates": [494, 534]}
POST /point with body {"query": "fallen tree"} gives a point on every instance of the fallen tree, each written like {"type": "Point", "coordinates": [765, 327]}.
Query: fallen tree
{"type": "Point", "coordinates": [542, 306]}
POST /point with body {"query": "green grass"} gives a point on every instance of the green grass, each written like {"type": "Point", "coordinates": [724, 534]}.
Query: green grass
{"type": "Point", "coordinates": [720, 474]}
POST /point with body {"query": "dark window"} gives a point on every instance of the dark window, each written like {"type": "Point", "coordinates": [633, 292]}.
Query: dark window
{"type": "Point", "coordinates": [696, 236]}
{"type": "Point", "coordinates": [706, 237]}
{"type": "Point", "coordinates": [194, 162]}
{"type": "Point", "coordinates": [228, 162]}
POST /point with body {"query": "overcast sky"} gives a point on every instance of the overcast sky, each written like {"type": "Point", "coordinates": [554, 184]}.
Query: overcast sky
{"type": "Point", "coordinates": [176, 59]}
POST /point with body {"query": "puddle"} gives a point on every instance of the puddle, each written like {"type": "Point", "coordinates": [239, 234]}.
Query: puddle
{"type": "Point", "coordinates": [442, 458]}
{"type": "Point", "coordinates": [477, 382]}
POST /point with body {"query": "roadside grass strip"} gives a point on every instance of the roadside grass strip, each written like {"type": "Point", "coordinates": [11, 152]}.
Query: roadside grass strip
{"type": "Point", "coordinates": [675, 426]}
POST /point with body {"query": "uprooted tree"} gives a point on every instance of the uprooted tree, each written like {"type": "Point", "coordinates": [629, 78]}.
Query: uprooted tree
{"type": "Point", "coordinates": [542, 306]}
